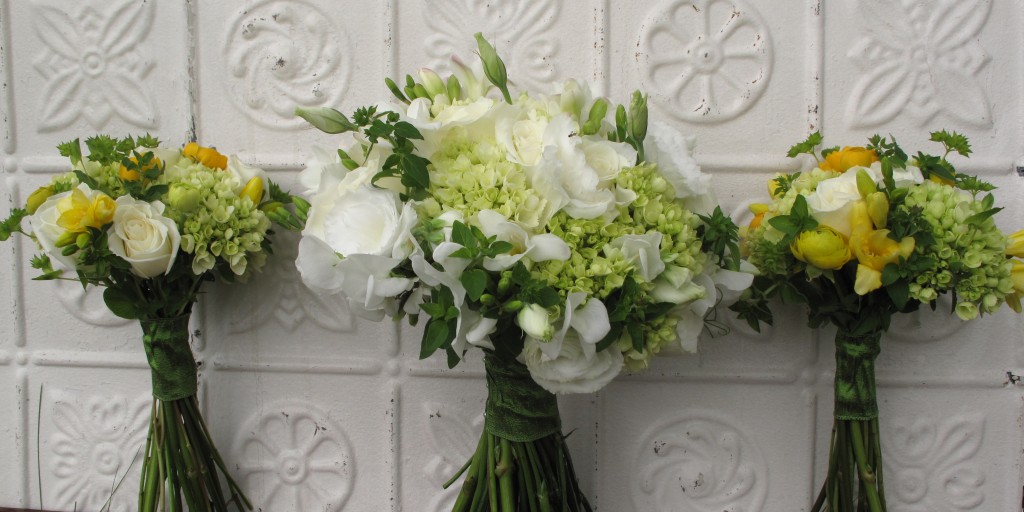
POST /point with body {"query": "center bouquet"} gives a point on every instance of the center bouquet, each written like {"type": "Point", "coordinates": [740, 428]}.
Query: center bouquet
{"type": "Point", "coordinates": [534, 227]}
{"type": "Point", "coordinates": [150, 225]}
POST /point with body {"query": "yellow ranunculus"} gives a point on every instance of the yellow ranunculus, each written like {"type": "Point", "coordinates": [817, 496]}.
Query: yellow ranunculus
{"type": "Point", "coordinates": [78, 213]}
{"type": "Point", "coordinates": [822, 247]}
{"type": "Point", "coordinates": [874, 250]}
{"type": "Point", "coordinates": [844, 159]}
{"type": "Point", "coordinates": [135, 175]}
{"type": "Point", "coordinates": [1016, 245]}
{"type": "Point", "coordinates": [206, 156]}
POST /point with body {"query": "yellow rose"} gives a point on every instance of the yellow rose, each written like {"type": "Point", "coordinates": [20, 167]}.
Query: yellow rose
{"type": "Point", "coordinates": [822, 247]}
{"type": "Point", "coordinates": [844, 159]}
{"type": "Point", "coordinates": [874, 250]}
{"type": "Point", "coordinates": [1016, 245]}
{"type": "Point", "coordinates": [206, 156]}
{"type": "Point", "coordinates": [78, 212]}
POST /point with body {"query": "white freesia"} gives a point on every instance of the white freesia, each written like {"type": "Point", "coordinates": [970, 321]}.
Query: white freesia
{"type": "Point", "coordinates": [587, 318]}
{"type": "Point", "coordinates": [571, 371]}
{"type": "Point", "coordinates": [143, 237]}
{"type": "Point", "coordinates": [450, 273]}
{"type": "Point", "coordinates": [535, 248]}
{"type": "Point", "coordinates": [644, 251]}
{"type": "Point", "coordinates": [243, 173]}
{"type": "Point", "coordinates": [673, 154]}
{"type": "Point", "coordinates": [723, 287]}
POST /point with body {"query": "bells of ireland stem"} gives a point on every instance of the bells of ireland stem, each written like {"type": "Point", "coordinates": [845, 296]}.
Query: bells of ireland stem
{"type": "Point", "coordinates": [494, 68]}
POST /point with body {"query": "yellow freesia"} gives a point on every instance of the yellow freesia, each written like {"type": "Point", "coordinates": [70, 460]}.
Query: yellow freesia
{"type": "Point", "coordinates": [878, 208]}
{"type": "Point", "coordinates": [874, 250]}
{"type": "Point", "coordinates": [822, 247]}
{"type": "Point", "coordinates": [860, 219]}
{"type": "Point", "coordinates": [135, 175]}
{"type": "Point", "coordinates": [1016, 246]}
{"type": "Point", "coordinates": [207, 156]}
{"type": "Point", "coordinates": [844, 159]}
{"type": "Point", "coordinates": [253, 190]}
{"type": "Point", "coordinates": [78, 213]}
{"type": "Point", "coordinates": [1017, 276]}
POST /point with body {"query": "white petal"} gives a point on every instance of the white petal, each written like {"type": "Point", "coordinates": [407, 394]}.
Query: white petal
{"type": "Point", "coordinates": [547, 247]}
{"type": "Point", "coordinates": [318, 265]}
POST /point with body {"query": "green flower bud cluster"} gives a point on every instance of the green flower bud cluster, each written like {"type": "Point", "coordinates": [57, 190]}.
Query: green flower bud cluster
{"type": "Point", "coordinates": [969, 255]}
{"type": "Point", "coordinates": [658, 333]}
{"type": "Point", "coordinates": [656, 210]}
{"type": "Point", "coordinates": [473, 175]}
{"type": "Point", "coordinates": [220, 226]}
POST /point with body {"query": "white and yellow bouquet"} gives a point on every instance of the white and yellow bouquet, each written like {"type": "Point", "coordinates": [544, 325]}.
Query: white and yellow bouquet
{"type": "Point", "coordinates": [869, 233]}
{"type": "Point", "coordinates": [151, 225]}
{"type": "Point", "coordinates": [535, 227]}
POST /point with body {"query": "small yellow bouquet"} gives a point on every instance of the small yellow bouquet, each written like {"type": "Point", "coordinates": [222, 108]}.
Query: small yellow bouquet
{"type": "Point", "coordinates": [868, 233]}
{"type": "Point", "coordinates": [151, 225]}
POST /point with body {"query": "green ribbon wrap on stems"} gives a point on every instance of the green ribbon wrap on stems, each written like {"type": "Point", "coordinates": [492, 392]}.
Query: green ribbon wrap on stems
{"type": "Point", "coordinates": [855, 376]}
{"type": "Point", "coordinates": [518, 409]}
{"type": "Point", "coordinates": [166, 341]}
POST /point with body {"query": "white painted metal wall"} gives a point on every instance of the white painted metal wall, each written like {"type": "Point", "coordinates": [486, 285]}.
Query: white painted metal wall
{"type": "Point", "coordinates": [316, 410]}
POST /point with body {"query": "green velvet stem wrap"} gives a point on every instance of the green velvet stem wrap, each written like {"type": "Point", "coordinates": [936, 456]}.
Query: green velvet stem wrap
{"type": "Point", "coordinates": [170, 357]}
{"type": "Point", "coordinates": [518, 409]}
{"type": "Point", "coordinates": [855, 376]}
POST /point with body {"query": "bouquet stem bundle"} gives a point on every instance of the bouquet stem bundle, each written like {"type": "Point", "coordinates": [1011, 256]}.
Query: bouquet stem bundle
{"type": "Point", "coordinates": [181, 463]}
{"type": "Point", "coordinates": [521, 463]}
{"type": "Point", "coordinates": [854, 481]}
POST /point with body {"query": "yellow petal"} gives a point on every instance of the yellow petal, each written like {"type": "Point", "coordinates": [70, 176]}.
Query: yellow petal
{"type": "Point", "coordinates": [253, 190]}
{"type": "Point", "coordinates": [868, 280]}
{"type": "Point", "coordinates": [1016, 245]}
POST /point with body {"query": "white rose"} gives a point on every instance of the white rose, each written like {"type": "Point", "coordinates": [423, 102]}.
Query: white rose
{"type": "Point", "coordinates": [571, 371]}
{"type": "Point", "coordinates": [243, 173]}
{"type": "Point", "coordinates": [607, 158]}
{"type": "Point", "coordinates": [143, 237]}
{"type": "Point", "coordinates": [673, 154]}
{"type": "Point", "coordinates": [831, 202]}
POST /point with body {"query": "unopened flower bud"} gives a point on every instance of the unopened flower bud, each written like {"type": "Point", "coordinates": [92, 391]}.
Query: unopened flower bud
{"type": "Point", "coordinates": [66, 238]}
{"type": "Point", "coordinates": [432, 83]}
{"type": "Point", "coordinates": [37, 198]}
{"type": "Point", "coordinates": [595, 117]}
{"type": "Point", "coordinates": [183, 197]}
{"type": "Point", "coordinates": [83, 240]}
{"type": "Point", "coordinates": [253, 190]}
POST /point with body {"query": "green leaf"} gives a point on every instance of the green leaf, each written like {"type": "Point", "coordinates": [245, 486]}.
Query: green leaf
{"type": "Point", "coordinates": [475, 282]}
{"type": "Point", "coordinates": [807, 146]}
{"type": "Point", "coordinates": [981, 217]}
{"type": "Point", "coordinates": [120, 303]}
{"type": "Point", "coordinates": [407, 131]}
{"type": "Point", "coordinates": [72, 150]}
{"type": "Point", "coordinates": [327, 120]}
{"type": "Point", "coordinates": [498, 247]}
{"type": "Point", "coordinates": [462, 235]}
{"type": "Point", "coordinates": [414, 171]}
{"type": "Point", "coordinates": [436, 335]}
{"type": "Point", "coordinates": [12, 224]}
{"type": "Point", "coordinates": [899, 292]}
{"type": "Point", "coordinates": [636, 335]}
{"type": "Point", "coordinates": [952, 141]}
{"type": "Point", "coordinates": [890, 274]}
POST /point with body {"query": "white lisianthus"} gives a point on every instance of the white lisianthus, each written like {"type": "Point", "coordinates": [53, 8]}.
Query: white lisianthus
{"type": "Point", "coordinates": [580, 183]}
{"type": "Point", "coordinates": [645, 251]}
{"type": "Point", "coordinates": [323, 161]}
{"type": "Point", "coordinates": [143, 237]}
{"type": "Point", "coordinates": [672, 152]}
{"type": "Point", "coordinates": [832, 201]}
{"type": "Point", "coordinates": [571, 371]}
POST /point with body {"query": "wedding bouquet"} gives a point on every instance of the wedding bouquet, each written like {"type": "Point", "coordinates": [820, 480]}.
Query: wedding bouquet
{"type": "Point", "coordinates": [534, 227]}
{"type": "Point", "coordinates": [869, 233]}
{"type": "Point", "coordinates": [151, 225]}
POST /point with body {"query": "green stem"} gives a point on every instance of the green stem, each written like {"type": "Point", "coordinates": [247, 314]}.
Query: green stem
{"type": "Point", "coordinates": [492, 482]}
{"type": "Point", "coordinates": [505, 466]}
{"type": "Point", "coordinates": [469, 486]}
{"type": "Point", "coordinates": [867, 476]}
